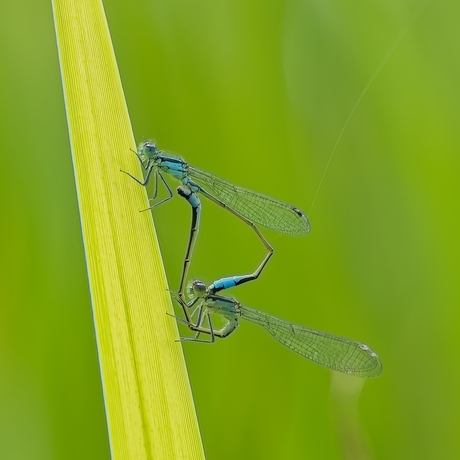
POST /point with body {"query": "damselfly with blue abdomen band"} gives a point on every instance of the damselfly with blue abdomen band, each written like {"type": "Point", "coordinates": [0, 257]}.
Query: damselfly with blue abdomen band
{"type": "Point", "coordinates": [332, 351]}
{"type": "Point", "coordinates": [251, 207]}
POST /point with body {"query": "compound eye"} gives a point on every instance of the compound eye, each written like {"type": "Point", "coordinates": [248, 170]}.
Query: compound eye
{"type": "Point", "coordinates": [198, 287]}
{"type": "Point", "coordinates": [150, 147]}
{"type": "Point", "coordinates": [147, 148]}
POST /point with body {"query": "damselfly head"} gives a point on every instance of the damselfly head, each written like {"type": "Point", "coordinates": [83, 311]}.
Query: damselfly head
{"type": "Point", "coordinates": [147, 150]}
{"type": "Point", "coordinates": [196, 288]}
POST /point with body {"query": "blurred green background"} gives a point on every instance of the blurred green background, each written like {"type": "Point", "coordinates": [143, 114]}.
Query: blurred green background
{"type": "Point", "coordinates": [256, 92]}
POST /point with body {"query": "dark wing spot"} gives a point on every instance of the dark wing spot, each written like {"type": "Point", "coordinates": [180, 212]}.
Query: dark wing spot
{"type": "Point", "coordinates": [298, 212]}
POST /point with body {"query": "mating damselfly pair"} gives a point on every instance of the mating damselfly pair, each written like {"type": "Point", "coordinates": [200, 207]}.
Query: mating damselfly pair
{"type": "Point", "coordinates": [334, 352]}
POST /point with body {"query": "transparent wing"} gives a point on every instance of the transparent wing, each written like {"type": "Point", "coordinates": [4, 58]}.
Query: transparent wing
{"type": "Point", "coordinates": [258, 208]}
{"type": "Point", "coordinates": [334, 352]}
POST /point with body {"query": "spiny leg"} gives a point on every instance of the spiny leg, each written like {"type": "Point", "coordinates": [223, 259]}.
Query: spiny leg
{"type": "Point", "coordinates": [168, 188]}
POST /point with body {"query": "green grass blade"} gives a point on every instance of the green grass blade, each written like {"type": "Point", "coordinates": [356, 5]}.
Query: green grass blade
{"type": "Point", "coordinates": [148, 400]}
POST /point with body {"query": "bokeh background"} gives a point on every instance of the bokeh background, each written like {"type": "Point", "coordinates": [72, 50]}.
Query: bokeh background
{"type": "Point", "coordinates": [256, 92]}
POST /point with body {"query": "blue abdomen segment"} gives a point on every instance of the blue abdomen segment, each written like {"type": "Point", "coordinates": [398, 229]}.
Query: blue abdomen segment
{"type": "Point", "coordinates": [228, 282]}
{"type": "Point", "coordinates": [191, 197]}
